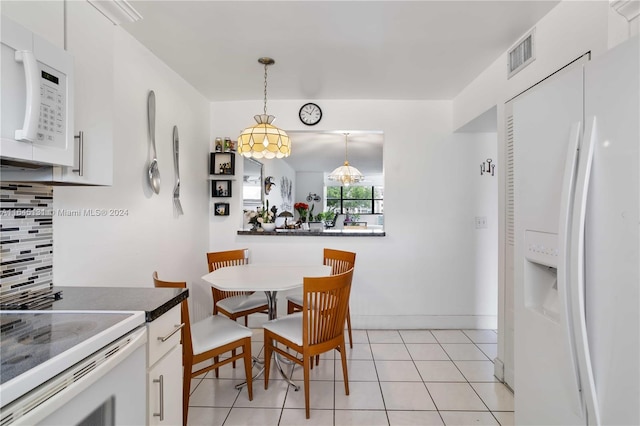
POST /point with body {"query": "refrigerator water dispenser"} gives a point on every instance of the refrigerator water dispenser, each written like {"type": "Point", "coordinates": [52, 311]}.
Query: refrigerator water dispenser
{"type": "Point", "coordinates": [541, 274]}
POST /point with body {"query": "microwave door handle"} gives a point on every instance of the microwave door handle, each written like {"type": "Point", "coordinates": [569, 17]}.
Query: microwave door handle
{"type": "Point", "coordinates": [32, 109]}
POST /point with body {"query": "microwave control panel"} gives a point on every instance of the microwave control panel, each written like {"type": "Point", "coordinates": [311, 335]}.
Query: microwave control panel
{"type": "Point", "coordinates": [51, 123]}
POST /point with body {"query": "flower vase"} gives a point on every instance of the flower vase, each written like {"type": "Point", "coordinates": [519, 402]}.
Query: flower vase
{"type": "Point", "coordinates": [269, 227]}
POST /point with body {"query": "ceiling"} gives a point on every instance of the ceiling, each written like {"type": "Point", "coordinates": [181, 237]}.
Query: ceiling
{"type": "Point", "coordinates": [332, 49]}
{"type": "Point", "coordinates": [314, 151]}
{"type": "Point", "coordinates": [402, 50]}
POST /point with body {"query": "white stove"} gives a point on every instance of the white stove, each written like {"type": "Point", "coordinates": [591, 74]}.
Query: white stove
{"type": "Point", "coordinates": [63, 364]}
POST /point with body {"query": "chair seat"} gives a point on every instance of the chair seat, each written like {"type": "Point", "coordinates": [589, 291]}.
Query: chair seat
{"type": "Point", "coordinates": [216, 331]}
{"type": "Point", "coordinates": [295, 298]}
{"type": "Point", "coordinates": [289, 327]}
{"type": "Point", "coordinates": [236, 304]}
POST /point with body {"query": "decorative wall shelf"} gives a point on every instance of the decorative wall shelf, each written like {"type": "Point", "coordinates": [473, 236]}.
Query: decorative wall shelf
{"type": "Point", "coordinates": [221, 209]}
{"type": "Point", "coordinates": [221, 188]}
{"type": "Point", "coordinates": [222, 163]}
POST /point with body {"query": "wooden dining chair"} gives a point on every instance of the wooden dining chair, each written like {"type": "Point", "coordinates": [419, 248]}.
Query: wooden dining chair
{"type": "Point", "coordinates": [317, 329]}
{"type": "Point", "coordinates": [208, 339]}
{"type": "Point", "coordinates": [340, 261]}
{"type": "Point", "coordinates": [235, 304]}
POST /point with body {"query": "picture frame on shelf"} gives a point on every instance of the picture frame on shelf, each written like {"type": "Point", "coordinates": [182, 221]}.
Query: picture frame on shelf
{"type": "Point", "coordinates": [221, 209]}
{"type": "Point", "coordinates": [221, 188]}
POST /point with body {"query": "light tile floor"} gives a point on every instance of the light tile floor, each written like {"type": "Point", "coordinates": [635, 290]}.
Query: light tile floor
{"type": "Point", "coordinates": [396, 377]}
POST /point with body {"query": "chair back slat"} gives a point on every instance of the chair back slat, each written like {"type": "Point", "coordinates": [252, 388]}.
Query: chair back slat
{"type": "Point", "coordinates": [221, 259]}
{"type": "Point", "coordinates": [340, 261]}
{"type": "Point", "coordinates": [325, 302]}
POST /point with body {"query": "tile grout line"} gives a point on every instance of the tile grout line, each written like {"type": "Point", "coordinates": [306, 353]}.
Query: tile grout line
{"type": "Point", "coordinates": [424, 383]}
{"type": "Point", "coordinates": [375, 367]}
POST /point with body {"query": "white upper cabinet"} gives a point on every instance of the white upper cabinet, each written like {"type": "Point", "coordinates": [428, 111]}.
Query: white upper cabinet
{"type": "Point", "coordinates": [90, 41]}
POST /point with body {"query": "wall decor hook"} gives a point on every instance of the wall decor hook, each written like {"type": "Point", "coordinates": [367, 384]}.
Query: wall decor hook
{"type": "Point", "coordinates": [487, 168]}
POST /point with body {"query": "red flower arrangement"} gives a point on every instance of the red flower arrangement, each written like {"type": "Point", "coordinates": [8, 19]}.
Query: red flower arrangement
{"type": "Point", "coordinates": [302, 209]}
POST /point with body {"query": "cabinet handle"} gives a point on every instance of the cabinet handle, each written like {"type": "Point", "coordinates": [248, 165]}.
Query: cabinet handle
{"type": "Point", "coordinates": [80, 169]}
{"type": "Point", "coordinates": [178, 327]}
{"type": "Point", "coordinates": [161, 413]}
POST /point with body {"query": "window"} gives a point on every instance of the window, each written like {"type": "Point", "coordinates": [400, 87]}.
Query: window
{"type": "Point", "coordinates": [356, 199]}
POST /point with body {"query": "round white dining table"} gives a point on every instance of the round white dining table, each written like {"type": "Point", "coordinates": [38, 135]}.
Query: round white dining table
{"type": "Point", "coordinates": [270, 278]}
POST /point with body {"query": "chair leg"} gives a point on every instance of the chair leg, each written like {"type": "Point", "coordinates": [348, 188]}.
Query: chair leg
{"type": "Point", "coordinates": [267, 358]}
{"type": "Point", "coordinates": [215, 361]}
{"type": "Point", "coordinates": [290, 307]}
{"type": "Point", "coordinates": [247, 367]}
{"type": "Point", "coordinates": [345, 375]}
{"type": "Point", "coordinates": [349, 328]}
{"type": "Point", "coordinates": [233, 353]}
{"type": "Point", "coordinates": [186, 389]}
{"type": "Point", "coordinates": [306, 366]}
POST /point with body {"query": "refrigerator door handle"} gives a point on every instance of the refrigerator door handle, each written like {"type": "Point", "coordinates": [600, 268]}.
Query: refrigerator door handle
{"type": "Point", "coordinates": [577, 270]}
{"type": "Point", "coordinates": [564, 241]}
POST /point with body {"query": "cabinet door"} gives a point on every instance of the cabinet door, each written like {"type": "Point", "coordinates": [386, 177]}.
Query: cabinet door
{"type": "Point", "coordinates": [90, 39]}
{"type": "Point", "coordinates": [45, 18]}
{"type": "Point", "coordinates": [164, 384]}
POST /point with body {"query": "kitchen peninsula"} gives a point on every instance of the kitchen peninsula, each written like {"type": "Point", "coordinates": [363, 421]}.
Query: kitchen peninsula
{"type": "Point", "coordinates": [323, 233]}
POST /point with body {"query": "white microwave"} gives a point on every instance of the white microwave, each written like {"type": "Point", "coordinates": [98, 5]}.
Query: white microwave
{"type": "Point", "coordinates": [36, 91]}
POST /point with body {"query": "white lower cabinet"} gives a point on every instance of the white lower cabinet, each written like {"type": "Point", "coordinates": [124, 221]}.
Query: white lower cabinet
{"type": "Point", "coordinates": [164, 370]}
{"type": "Point", "coordinates": [164, 384]}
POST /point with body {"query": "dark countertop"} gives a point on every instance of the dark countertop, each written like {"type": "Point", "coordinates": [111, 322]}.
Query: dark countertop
{"type": "Point", "coordinates": [324, 233]}
{"type": "Point", "coordinates": [154, 301]}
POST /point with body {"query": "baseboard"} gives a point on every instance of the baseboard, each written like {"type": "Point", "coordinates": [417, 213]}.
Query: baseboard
{"type": "Point", "coordinates": [498, 369]}
{"type": "Point", "coordinates": [409, 322]}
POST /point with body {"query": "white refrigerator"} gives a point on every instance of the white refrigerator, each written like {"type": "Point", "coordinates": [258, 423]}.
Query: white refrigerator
{"type": "Point", "coordinates": [577, 263]}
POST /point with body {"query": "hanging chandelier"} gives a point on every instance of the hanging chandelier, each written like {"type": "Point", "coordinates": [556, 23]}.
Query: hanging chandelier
{"type": "Point", "coordinates": [263, 140]}
{"type": "Point", "coordinates": [346, 174]}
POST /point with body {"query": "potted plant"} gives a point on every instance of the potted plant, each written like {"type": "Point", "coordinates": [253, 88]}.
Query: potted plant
{"type": "Point", "coordinates": [263, 219]}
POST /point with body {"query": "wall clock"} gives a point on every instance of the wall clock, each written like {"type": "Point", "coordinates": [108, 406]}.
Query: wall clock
{"type": "Point", "coordinates": [310, 114]}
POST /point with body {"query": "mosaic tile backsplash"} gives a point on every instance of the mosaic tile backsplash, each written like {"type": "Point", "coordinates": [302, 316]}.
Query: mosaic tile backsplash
{"type": "Point", "coordinates": [26, 242]}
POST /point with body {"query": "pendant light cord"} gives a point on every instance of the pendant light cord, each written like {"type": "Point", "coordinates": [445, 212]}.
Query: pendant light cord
{"type": "Point", "coordinates": [265, 89]}
{"type": "Point", "coordinates": [346, 157]}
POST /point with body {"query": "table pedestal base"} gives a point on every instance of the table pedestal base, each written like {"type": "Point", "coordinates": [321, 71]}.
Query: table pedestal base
{"type": "Point", "coordinates": [273, 314]}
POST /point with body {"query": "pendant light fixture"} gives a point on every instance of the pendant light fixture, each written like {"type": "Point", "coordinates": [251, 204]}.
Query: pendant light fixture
{"type": "Point", "coordinates": [346, 174]}
{"type": "Point", "coordinates": [263, 140]}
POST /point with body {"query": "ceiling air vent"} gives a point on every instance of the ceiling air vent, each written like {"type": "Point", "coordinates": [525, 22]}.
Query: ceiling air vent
{"type": "Point", "coordinates": [521, 55]}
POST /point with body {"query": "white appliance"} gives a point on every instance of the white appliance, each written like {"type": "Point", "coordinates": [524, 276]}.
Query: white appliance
{"type": "Point", "coordinates": [73, 368]}
{"type": "Point", "coordinates": [577, 195]}
{"type": "Point", "coordinates": [36, 91]}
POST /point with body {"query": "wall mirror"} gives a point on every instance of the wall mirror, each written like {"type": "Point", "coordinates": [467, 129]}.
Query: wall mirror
{"type": "Point", "coordinates": [252, 193]}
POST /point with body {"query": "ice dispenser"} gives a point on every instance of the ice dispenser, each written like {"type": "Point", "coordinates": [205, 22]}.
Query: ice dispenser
{"type": "Point", "coordinates": [541, 274]}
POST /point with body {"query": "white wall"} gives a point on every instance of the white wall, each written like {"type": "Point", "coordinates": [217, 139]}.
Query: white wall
{"type": "Point", "coordinates": [310, 182]}
{"type": "Point", "coordinates": [124, 251]}
{"type": "Point", "coordinates": [433, 269]}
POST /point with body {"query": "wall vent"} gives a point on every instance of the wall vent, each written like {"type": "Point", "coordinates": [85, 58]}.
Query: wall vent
{"type": "Point", "coordinates": [521, 55]}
